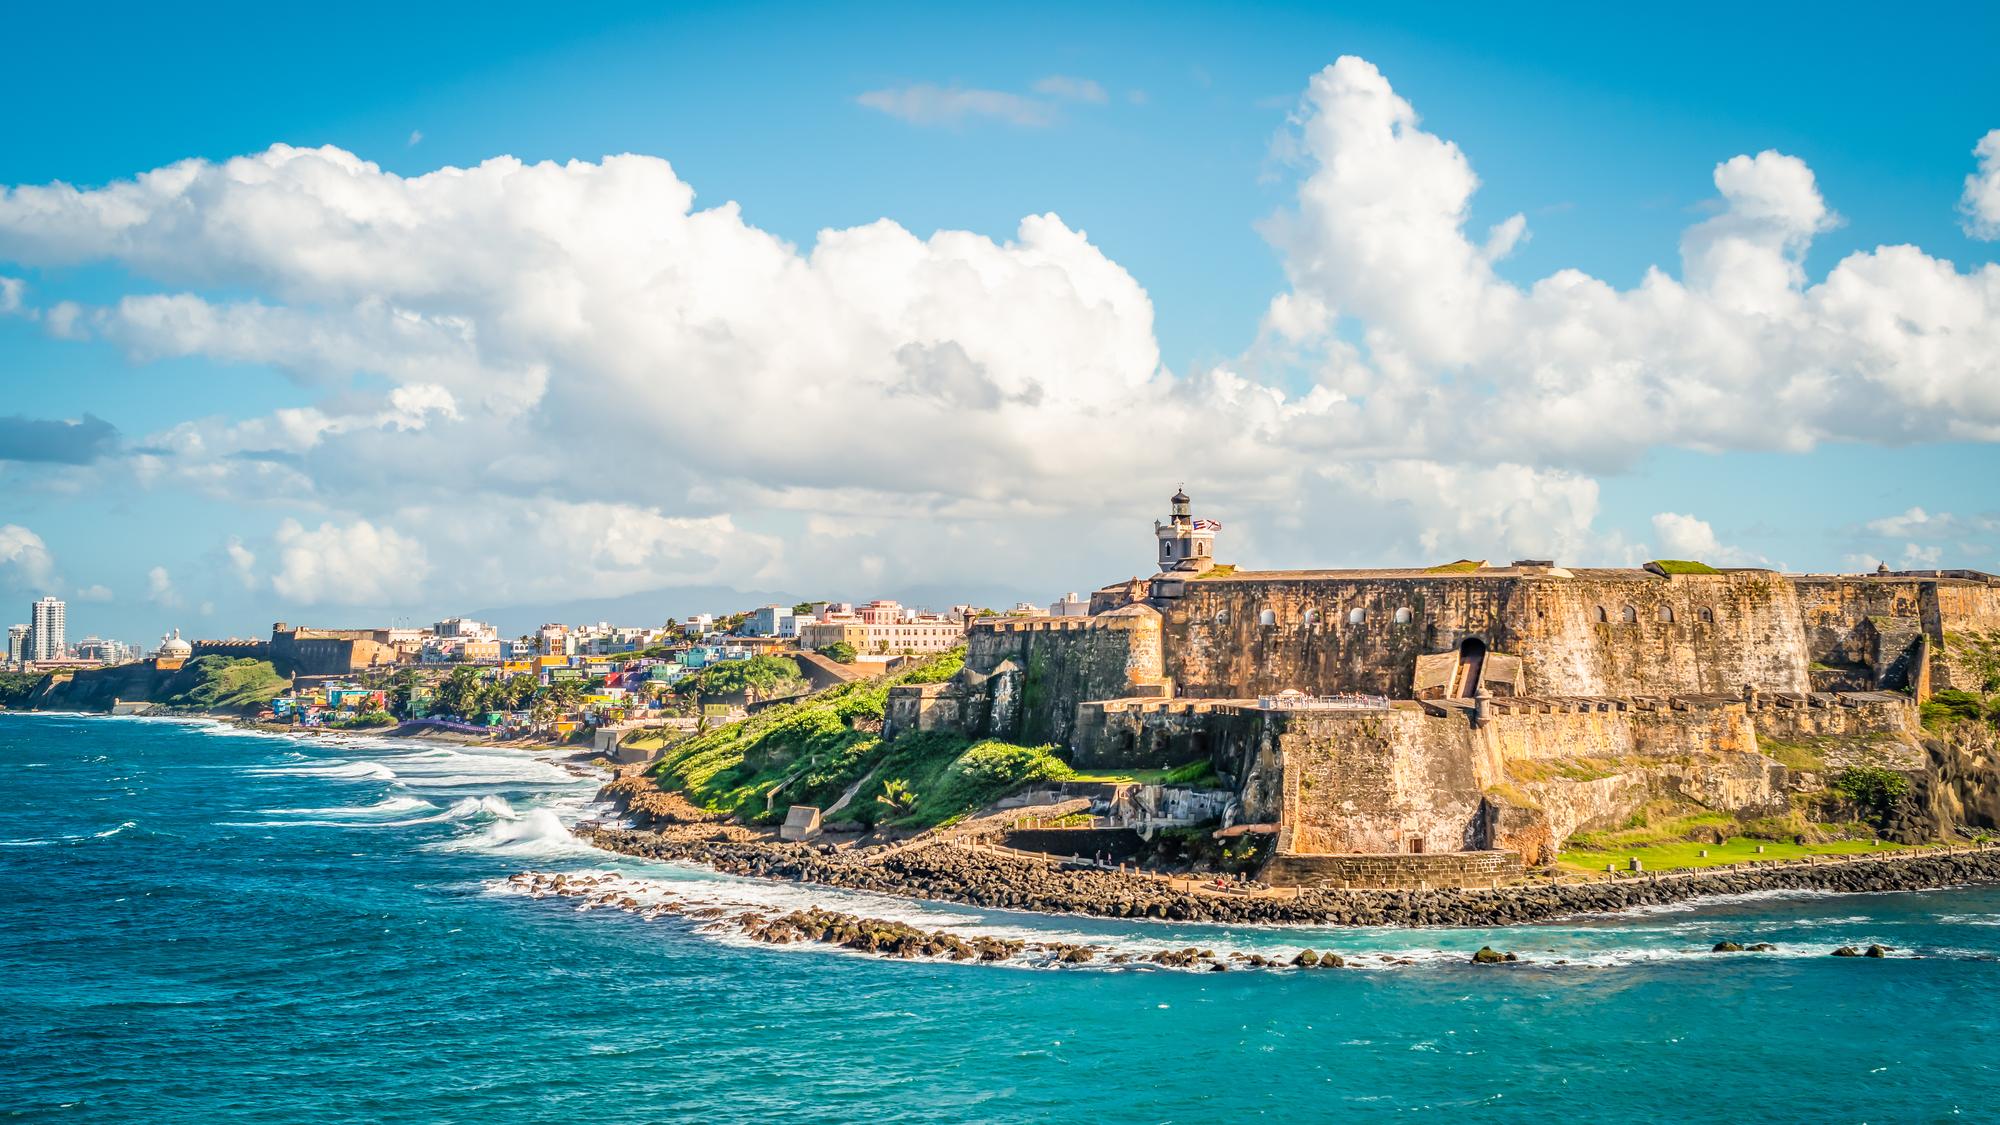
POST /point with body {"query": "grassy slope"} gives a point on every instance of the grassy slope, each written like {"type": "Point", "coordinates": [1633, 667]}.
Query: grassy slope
{"type": "Point", "coordinates": [1684, 566]}
{"type": "Point", "coordinates": [1687, 853]}
{"type": "Point", "coordinates": [813, 751]}
{"type": "Point", "coordinates": [220, 683]}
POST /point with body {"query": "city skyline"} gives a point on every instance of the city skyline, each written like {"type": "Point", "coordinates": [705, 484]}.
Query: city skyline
{"type": "Point", "coordinates": [525, 340]}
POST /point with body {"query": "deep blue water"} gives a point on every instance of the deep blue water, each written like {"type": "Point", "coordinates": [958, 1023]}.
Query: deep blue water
{"type": "Point", "coordinates": [198, 924]}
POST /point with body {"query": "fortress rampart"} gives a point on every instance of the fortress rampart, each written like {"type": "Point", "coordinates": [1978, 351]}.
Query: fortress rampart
{"type": "Point", "coordinates": [303, 651]}
{"type": "Point", "coordinates": [1597, 633]}
{"type": "Point", "coordinates": [1517, 704]}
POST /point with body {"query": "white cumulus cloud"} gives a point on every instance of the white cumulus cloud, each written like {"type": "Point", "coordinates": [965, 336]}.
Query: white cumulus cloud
{"type": "Point", "coordinates": [353, 564]}
{"type": "Point", "coordinates": [24, 557]}
{"type": "Point", "coordinates": [160, 588]}
{"type": "Point", "coordinates": [578, 357]}
{"type": "Point", "coordinates": [1742, 351]}
{"type": "Point", "coordinates": [1683, 536]}
{"type": "Point", "coordinates": [1980, 205]}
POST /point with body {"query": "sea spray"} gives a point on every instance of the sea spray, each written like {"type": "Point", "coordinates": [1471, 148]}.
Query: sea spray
{"type": "Point", "coordinates": [536, 832]}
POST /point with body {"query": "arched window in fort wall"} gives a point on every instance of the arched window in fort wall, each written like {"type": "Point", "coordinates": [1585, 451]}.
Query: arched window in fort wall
{"type": "Point", "coordinates": [1705, 615]}
{"type": "Point", "coordinates": [1404, 616]}
{"type": "Point", "coordinates": [1356, 616]}
{"type": "Point", "coordinates": [1222, 617]}
{"type": "Point", "coordinates": [1630, 616]}
{"type": "Point", "coordinates": [1666, 615]}
{"type": "Point", "coordinates": [1311, 617]}
{"type": "Point", "coordinates": [1603, 616]}
{"type": "Point", "coordinates": [1266, 617]}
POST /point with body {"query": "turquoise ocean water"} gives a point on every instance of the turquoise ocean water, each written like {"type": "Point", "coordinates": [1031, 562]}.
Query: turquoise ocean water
{"type": "Point", "coordinates": [201, 924]}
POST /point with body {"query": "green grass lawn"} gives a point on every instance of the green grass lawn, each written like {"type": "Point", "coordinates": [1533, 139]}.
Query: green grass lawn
{"type": "Point", "coordinates": [1685, 854]}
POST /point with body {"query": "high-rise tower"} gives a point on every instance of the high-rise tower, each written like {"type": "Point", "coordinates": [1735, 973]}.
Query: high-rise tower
{"type": "Point", "coordinates": [46, 639]}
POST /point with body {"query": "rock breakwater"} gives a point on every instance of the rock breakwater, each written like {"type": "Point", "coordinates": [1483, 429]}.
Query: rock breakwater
{"type": "Point", "coordinates": [953, 872]}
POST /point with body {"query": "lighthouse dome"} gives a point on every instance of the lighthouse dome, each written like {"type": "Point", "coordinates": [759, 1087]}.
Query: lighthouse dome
{"type": "Point", "coordinates": [175, 647]}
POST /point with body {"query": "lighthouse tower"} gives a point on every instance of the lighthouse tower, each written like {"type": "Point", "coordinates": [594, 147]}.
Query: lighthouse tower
{"type": "Point", "coordinates": [1186, 544]}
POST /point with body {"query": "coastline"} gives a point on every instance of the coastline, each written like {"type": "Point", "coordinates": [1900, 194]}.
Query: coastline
{"type": "Point", "coordinates": [976, 876]}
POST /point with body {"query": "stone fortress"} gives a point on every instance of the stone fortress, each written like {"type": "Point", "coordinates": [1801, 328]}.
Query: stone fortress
{"type": "Point", "coordinates": [1452, 724]}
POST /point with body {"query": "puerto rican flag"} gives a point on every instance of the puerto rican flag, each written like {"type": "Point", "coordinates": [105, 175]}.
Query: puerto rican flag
{"type": "Point", "coordinates": [1207, 525]}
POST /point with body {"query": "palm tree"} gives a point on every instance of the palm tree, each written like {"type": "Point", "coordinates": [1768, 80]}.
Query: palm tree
{"type": "Point", "coordinates": [897, 796]}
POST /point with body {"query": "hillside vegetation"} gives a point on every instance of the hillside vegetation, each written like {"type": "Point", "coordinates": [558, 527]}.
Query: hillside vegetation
{"type": "Point", "coordinates": [813, 750]}
{"type": "Point", "coordinates": [222, 683]}
{"type": "Point", "coordinates": [15, 687]}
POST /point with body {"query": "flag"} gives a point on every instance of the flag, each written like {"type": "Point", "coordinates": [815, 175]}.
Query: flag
{"type": "Point", "coordinates": [1207, 525]}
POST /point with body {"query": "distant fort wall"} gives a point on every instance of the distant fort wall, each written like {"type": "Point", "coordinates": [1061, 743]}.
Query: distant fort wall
{"type": "Point", "coordinates": [302, 651]}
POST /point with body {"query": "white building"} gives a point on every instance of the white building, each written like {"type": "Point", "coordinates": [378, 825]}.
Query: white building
{"type": "Point", "coordinates": [772, 621]}
{"type": "Point", "coordinates": [466, 628]}
{"type": "Point", "coordinates": [700, 625]}
{"type": "Point", "coordinates": [17, 643]}
{"type": "Point", "coordinates": [1070, 605]}
{"type": "Point", "coordinates": [47, 639]}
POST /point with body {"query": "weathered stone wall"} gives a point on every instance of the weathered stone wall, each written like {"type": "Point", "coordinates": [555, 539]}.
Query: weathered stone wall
{"type": "Point", "coordinates": [1246, 635]}
{"type": "Point", "coordinates": [1158, 733]}
{"type": "Point", "coordinates": [1967, 660]}
{"type": "Point", "coordinates": [1800, 718]}
{"type": "Point", "coordinates": [234, 649]}
{"type": "Point", "coordinates": [1619, 731]}
{"type": "Point", "coordinates": [1456, 869]}
{"type": "Point", "coordinates": [928, 707]}
{"type": "Point", "coordinates": [1375, 781]}
{"type": "Point", "coordinates": [1051, 665]}
{"type": "Point", "coordinates": [1863, 630]}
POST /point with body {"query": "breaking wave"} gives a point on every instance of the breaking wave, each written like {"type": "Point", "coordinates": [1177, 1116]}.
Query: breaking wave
{"type": "Point", "coordinates": [362, 771]}
{"type": "Point", "coordinates": [535, 833]}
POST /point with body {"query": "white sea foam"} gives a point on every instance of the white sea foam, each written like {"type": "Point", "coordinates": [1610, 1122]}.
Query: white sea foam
{"type": "Point", "coordinates": [332, 767]}
{"type": "Point", "coordinates": [1705, 902]}
{"type": "Point", "coordinates": [467, 808]}
{"type": "Point", "coordinates": [110, 832]}
{"type": "Point", "coordinates": [1381, 949]}
{"type": "Point", "coordinates": [536, 833]}
{"type": "Point", "coordinates": [387, 806]}
{"type": "Point", "coordinates": [1969, 919]}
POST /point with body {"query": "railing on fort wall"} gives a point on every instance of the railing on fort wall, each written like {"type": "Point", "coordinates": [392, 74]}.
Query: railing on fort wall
{"type": "Point", "coordinates": [1323, 702]}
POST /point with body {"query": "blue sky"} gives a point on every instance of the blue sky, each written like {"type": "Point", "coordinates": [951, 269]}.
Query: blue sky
{"type": "Point", "coordinates": [1176, 142]}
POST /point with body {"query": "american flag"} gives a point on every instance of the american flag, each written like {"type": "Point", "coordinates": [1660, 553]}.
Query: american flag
{"type": "Point", "coordinates": [1207, 525]}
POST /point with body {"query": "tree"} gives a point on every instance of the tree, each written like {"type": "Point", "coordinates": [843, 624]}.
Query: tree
{"type": "Point", "coordinates": [402, 687]}
{"type": "Point", "coordinates": [840, 652]}
{"type": "Point", "coordinates": [759, 675]}
{"type": "Point", "coordinates": [460, 693]}
{"type": "Point", "coordinates": [897, 795]}
{"type": "Point", "coordinates": [515, 693]}
{"type": "Point", "coordinates": [801, 609]}
{"type": "Point", "coordinates": [556, 700]}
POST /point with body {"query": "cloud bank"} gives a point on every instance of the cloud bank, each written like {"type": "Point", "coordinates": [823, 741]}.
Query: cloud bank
{"type": "Point", "coordinates": [548, 377]}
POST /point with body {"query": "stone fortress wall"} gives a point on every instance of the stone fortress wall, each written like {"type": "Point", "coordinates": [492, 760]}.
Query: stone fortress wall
{"type": "Point", "coordinates": [303, 651]}
{"type": "Point", "coordinates": [1602, 690]}
{"type": "Point", "coordinates": [1027, 679]}
{"type": "Point", "coordinates": [1593, 633]}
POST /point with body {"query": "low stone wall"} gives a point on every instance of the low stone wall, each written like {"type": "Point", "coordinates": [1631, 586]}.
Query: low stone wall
{"type": "Point", "coordinates": [1121, 844]}
{"type": "Point", "coordinates": [1384, 871]}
